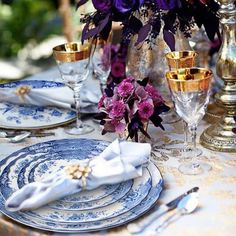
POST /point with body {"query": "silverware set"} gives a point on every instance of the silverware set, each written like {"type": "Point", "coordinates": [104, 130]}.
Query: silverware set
{"type": "Point", "coordinates": [184, 204]}
{"type": "Point", "coordinates": [18, 136]}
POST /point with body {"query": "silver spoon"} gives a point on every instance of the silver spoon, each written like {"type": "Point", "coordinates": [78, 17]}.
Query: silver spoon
{"type": "Point", "coordinates": [18, 137]}
{"type": "Point", "coordinates": [186, 206]}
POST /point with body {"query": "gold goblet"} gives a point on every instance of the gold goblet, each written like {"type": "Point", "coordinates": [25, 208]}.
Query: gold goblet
{"type": "Point", "coordinates": [178, 60]}
{"type": "Point", "coordinates": [73, 63]}
{"type": "Point", "coordinates": [190, 91]}
{"type": "Point", "coordinates": [181, 59]}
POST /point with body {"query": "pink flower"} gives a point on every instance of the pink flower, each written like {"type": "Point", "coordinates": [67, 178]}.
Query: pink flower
{"type": "Point", "coordinates": [145, 109]}
{"type": "Point", "coordinates": [129, 79]}
{"type": "Point", "coordinates": [125, 88]}
{"type": "Point", "coordinates": [141, 93]}
{"type": "Point", "coordinates": [118, 69]}
{"type": "Point", "coordinates": [154, 94]}
{"type": "Point", "coordinates": [119, 126]}
{"type": "Point", "coordinates": [118, 109]}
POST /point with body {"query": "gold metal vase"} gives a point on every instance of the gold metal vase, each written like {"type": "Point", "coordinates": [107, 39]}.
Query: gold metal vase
{"type": "Point", "coordinates": [220, 136]}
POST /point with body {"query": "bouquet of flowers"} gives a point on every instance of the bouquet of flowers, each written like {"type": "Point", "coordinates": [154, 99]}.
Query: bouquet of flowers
{"type": "Point", "coordinates": [147, 18]}
{"type": "Point", "coordinates": [129, 106]}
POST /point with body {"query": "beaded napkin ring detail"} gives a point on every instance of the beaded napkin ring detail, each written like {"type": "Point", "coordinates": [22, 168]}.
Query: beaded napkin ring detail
{"type": "Point", "coordinates": [78, 172]}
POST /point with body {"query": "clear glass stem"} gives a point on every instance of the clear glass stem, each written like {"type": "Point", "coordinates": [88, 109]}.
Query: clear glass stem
{"type": "Point", "coordinates": [185, 134]}
{"type": "Point", "coordinates": [193, 131]}
{"type": "Point", "coordinates": [76, 90]}
{"type": "Point", "coordinates": [186, 147]}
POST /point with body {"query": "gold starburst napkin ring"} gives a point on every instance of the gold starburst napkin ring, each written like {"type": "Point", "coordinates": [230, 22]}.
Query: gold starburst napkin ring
{"type": "Point", "coordinates": [78, 172]}
{"type": "Point", "coordinates": [21, 91]}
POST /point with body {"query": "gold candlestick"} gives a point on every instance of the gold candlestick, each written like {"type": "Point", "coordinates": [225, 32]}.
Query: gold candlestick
{"type": "Point", "coordinates": [219, 136]}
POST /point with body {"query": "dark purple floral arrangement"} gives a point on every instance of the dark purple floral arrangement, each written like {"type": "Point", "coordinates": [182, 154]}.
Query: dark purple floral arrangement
{"type": "Point", "coordinates": [172, 14]}
{"type": "Point", "coordinates": [129, 106]}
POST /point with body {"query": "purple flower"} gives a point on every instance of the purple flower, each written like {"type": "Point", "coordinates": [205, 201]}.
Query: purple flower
{"type": "Point", "coordinates": [127, 5]}
{"type": "Point", "coordinates": [117, 110]}
{"type": "Point", "coordinates": [145, 110]}
{"type": "Point", "coordinates": [102, 5]}
{"type": "Point", "coordinates": [154, 94]}
{"type": "Point", "coordinates": [125, 88]}
{"type": "Point", "coordinates": [118, 69]}
{"type": "Point", "coordinates": [168, 4]}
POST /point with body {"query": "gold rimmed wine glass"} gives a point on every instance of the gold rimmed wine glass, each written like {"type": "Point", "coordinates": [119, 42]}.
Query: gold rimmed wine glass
{"type": "Point", "coordinates": [73, 63]}
{"type": "Point", "coordinates": [190, 92]}
{"type": "Point", "coordinates": [178, 60]}
{"type": "Point", "coordinates": [101, 60]}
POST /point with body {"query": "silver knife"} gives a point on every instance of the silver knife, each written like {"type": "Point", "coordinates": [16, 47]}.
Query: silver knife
{"type": "Point", "coordinates": [162, 209]}
{"type": "Point", "coordinates": [13, 134]}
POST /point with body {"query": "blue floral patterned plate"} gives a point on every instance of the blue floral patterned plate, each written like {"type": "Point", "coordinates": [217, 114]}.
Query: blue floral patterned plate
{"type": "Point", "coordinates": [105, 207]}
{"type": "Point", "coordinates": [33, 117]}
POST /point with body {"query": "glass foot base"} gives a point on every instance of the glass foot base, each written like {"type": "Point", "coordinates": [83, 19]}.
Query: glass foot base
{"type": "Point", "coordinates": [194, 168]}
{"type": "Point", "coordinates": [189, 152]}
{"type": "Point", "coordinates": [178, 150]}
{"type": "Point", "coordinates": [85, 129]}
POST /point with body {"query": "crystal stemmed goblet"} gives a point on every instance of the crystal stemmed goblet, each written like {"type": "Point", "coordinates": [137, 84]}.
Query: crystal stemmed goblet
{"type": "Point", "coordinates": [190, 92]}
{"type": "Point", "coordinates": [101, 61]}
{"type": "Point", "coordinates": [73, 62]}
{"type": "Point", "coordinates": [178, 60]}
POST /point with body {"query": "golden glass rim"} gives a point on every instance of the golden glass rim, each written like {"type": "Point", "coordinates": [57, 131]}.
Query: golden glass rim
{"type": "Point", "coordinates": [189, 79]}
{"type": "Point", "coordinates": [175, 55]}
{"type": "Point", "coordinates": [185, 73]}
{"type": "Point", "coordinates": [72, 51]}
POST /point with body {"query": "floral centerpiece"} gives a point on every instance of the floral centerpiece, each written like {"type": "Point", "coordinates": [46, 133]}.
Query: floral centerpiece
{"type": "Point", "coordinates": [129, 106]}
{"type": "Point", "coordinates": [148, 18]}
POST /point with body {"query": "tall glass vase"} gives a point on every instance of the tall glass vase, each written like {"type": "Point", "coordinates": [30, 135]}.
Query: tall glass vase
{"type": "Point", "coordinates": [139, 60]}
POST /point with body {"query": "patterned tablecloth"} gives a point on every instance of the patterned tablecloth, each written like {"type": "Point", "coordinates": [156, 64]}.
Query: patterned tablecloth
{"type": "Point", "coordinates": [216, 213]}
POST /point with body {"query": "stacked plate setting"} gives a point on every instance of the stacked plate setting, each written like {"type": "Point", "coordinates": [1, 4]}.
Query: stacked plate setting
{"type": "Point", "coordinates": [105, 207]}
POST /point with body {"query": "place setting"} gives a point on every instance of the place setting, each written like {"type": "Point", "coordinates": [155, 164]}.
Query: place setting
{"type": "Point", "coordinates": [126, 135]}
{"type": "Point", "coordinates": [81, 184]}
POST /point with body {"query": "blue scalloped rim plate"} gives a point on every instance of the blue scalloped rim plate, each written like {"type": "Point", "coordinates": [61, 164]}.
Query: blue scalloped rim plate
{"type": "Point", "coordinates": [105, 207]}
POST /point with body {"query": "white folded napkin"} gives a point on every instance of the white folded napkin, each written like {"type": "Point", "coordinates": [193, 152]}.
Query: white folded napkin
{"type": "Point", "coordinates": [59, 96]}
{"type": "Point", "coordinates": [119, 162]}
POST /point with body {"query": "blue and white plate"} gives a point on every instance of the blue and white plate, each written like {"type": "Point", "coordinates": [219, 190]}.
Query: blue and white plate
{"type": "Point", "coordinates": [105, 207]}
{"type": "Point", "coordinates": [14, 116]}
